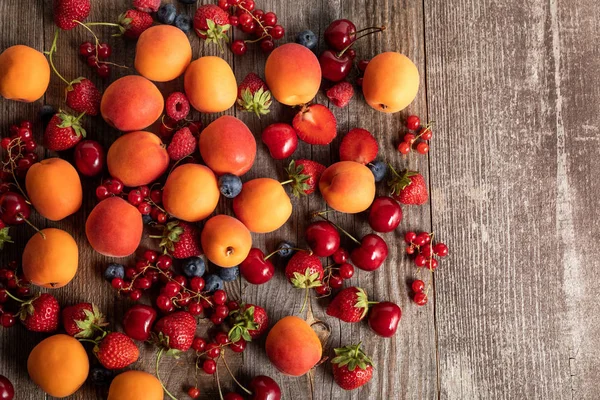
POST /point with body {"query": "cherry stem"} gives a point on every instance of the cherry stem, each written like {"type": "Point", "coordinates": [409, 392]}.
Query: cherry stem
{"type": "Point", "coordinates": [338, 228]}
{"type": "Point", "coordinates": [160, 353]}
{"type": "Point", "coordinates": [232, 376]}
{"type": "Point", "coordinates": [377, 30]}
{"type": "Point", "coordinates": [33, 226]}
{"type": "Point", "coordinates": [13, 297]}
{"type": "Point", "coordinates": [50, 58]}
{"type": "Point", "coordinates": [280, 250]}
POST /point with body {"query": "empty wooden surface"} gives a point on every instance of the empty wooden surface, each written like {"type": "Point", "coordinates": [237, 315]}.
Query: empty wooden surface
{"type": "Point", "coordinates": [514, 89]}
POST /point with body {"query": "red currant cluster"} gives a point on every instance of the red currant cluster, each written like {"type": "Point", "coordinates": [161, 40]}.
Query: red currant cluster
{"type": "Point", "coordinates": [362, 66]}
{"type": "Point", "coordinates": [20, 148]}
{"type": "Point", "coordinates": [334, 276]}
{"type": "Point", "coordinates": [145, 199]}
{"type": "Point", "coordinates": [262, 26]}
{"type": "Point", "coordinates": [10, 280]}
{"type": "Point", "coordinates": [424, 250]}
{"type": "Point", "coordinates": [424, 133]}
{"type": "Point", "coordinates": [94, 54]}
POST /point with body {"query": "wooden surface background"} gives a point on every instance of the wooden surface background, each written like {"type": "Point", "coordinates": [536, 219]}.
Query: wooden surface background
{"type": "Point", "coordinates": [514, 89]}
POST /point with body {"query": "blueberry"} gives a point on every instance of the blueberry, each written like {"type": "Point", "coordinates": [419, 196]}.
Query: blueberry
{"type": "Point", "coordinates": [379, 170]}
{"type": "Point", "coordinates": [194, 266]}
{"type": "Point", "coordinates": [229, 274]}
{"type": "Point", "coordinates": [166, 14]}
{"type": "Point", "coordinates": [183, 22]}
{"type": "Point", "coordinates": [188, 1]}
{"type": "Point", "coordinates": [307, 38]}
{"type": "Point", "coordinates": [114, 271]}
{"type": "Point", "coordinates": [101, 376]}
{"type": "Point", "coordinates": [230, 185]}
{"type": "Point", "coordinates": [285, 249]}
{"type": "Point", "coordinates": [213, 283]}
{"type": "Point", "coordinates": [147, 219]}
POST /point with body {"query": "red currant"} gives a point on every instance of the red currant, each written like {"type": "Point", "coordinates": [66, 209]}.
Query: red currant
{"type": "Point", "coordinates": [198, 344]}
{"type": "Point", "coordinates": [163, 302]}
{"type": "Point", "coordinates": [25, 134]}
{"type": "Point", "coordinates": [114, 186]}
{"type": "Point", "coordinates": [340, 256]}
{"type": "Point", "coordinates": [213, 350]}
{"type": "Point", "coordinates": [130, 273]}
{"type": "Point", "coordinates": [431, 263]}
{"type": "Point", "coordinates": [420, 298]}
{"type": "Point", "coordinates": [92, 61]}
{"type": "Point", "coordinates": [193, 392]}
{"type": "Point", "coordinates": [418, 286]}
{"type": "Point", "coordinates": [161, 217]}
{"type": "Point", "coordinates": [239, 346]}
{"type": "Point", "coordinates": [156, 196]}
{"type": "Point", "coordinates": [422, 148]}
{"type": "Point", "coordinates": [413, 122]}
{"type": "Point", "coordinates": [238, 47]}
{"type": "Point", "coordinates": [351, 53]}
{"type": "Point", "coordinates": [5, 142]}
{"type": "Point", "coordinates": [410, 249]}
{"type": "Point", "coordinates": [427, 250]}
{"type": "Point", "coordinates": [135, 295]}
{"type": "Point", "coordinates": [336, 281]}
{"type": "Point", "coordinates": [245, 19]}
{"type": "Point", "coordinates": [104, 51]}
{"type": "Point", "coordinates": [195, 308]}
{"type": "Point", "coordinates": [420, 260]}
{"type": "Point", "coordinates": [197, 284]}
{"type": "Point", "coordinates": [26, 124]}
{"type": "Point", "coordinates": [86, 49]}
{"type": "Point", "coordinates": [171, 289]}
{"type": "Point", "coordinates": [209, 366]}
{"type": "Point", "coordinates": [223, 4]}
{"type": "Point", "coordinates": [440, 249]}
{"type": "Point", "coordinates": [7, 320]}
{"type": "Point", "coordinates": [164, 262]}
{"type": "Point", "coordinates": [181, 280]}
{"type": "Point", "coordinates": [3, 296]}
{"type": "Point", "coordinates": [233, 305]}
{"type": "Point", "coordinates": [409, 138]}
{"type": "Point", "coordinates": [259, 14]}
{"type": "Point", "coordinates": [135, 197]}
{"type": "Point", "coordinates": [404, 148]}
{"type": "Point", "coordinates": [426, 133]}
{"type": "Point", "coordinates": [221, 311]}
{"type": "Point", "coordinates": [267, 45]}
{"type": "Point", "coordinates": [270, 18]}
{"type": "Point", "coordinates": [234, 20]}
{"type": "Point", "coordinates": [150, 256]}
{"type": "Point", "coordinates": [220, 297]}
{"type": "Point", "coordinates": [346, 271]}
{"type": "Point", "coordinates": [103, 70]}
{"type": "Point", "coordinates": [144, 208]}
{"type": "Point", "coordinates": [248, 28]}
{"type": "Point", "coordinates": [221, 338]}
{"type": "Point", "coordinates": [102, 192]}
{"type": "Point", "coordinates": [323, 290]}
{"type": "Point", "coordinates": [362, 65]}
{"type": "Point", "coordinates": [30, 146]}
{"type": "Point", "coordinates": [215, 319]}
{"type": "Point", "coordinates": [117, 283]}
{"type": "Point", "coordinates": [248, 4]}
{"type": "Point", "coordinates": [277, 32]}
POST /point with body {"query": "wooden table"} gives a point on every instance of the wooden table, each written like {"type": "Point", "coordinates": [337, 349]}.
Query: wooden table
{"type": "Point", "coordinates": [514, 312]}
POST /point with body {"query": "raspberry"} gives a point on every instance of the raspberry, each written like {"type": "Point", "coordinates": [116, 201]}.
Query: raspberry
{"type": "Point", "coordinates": [341, 94]}
{"type": "Point", "coordinates": [146, 5]}
{"type": "Point", "coordinates": [177, 106]}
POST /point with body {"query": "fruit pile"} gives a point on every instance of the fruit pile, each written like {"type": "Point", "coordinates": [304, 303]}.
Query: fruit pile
{"type": "Point", "coordinates": [162, 178]}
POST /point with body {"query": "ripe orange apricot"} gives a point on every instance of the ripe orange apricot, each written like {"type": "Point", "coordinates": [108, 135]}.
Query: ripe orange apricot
{"type": "Point", "coordinates": [24, 74]}
{"type": "Point", "coordinates": [59, 365]}
{"type": "Point", "coordinates": [226, 241]}
{"type": "Point", "coordinates": [293, 74]}
{"type": "Point", "coordinates": [131, 103]}
{"type": "Point", "coordinates": [191, 192]}
{"type": "Point", "coordinates": [135, 385]}
{"type": "Point", "coordinates": [348, 186]}
{"type": "Point", "coordinates": [228, 146]}
{"type": "Point", "coordinates": [391, 82]}
{"type": "Point", "coordinates": [293, 347]}
{"type": "Point", "coordinates": [137, 158]}
{"type": "Point", "coordinates": [262, 205]}
{"type": "Point", "coordinates": [54, 188]}
{"type": "Point", "coordinates": [50, 258]}
{"type": "Point", "coordinates": [210, 84]}
{"type": "Point", "coordinates": [163, 52]}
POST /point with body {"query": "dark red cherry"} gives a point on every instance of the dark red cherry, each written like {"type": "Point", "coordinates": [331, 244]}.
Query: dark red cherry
{"type": "Point", "coordinates": [138, 321]}
{"type": "Point", "coordinates": [264, 388]}
{"type": "Point", "coordinates": [322, 238]}
{"type": "Point", "coordinates": [335, 66]}
{"type": "Point", "coordinates": [385, 214]}
{"type": "Point", "coordinates": [340, 33]}
{"type": "Point", "coordinates": [255, 269]}
{"type": "Point", "coordinates": [384, 318]}
{"type": "Point", "coordinates": [89, 157]}
{"type": "Point", "coordinates": [14, 209]}
{"type": "Point", "coordinates": [7, 391]}
{"type": "Point", "coordinates": [371, 254]}
{"type": "Point", "coordinates": [281, 140]}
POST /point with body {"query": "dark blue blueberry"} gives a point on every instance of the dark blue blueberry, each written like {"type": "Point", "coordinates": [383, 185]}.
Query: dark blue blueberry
{"type": "Point", "coordinates": [379, 170]}
{"type": "Point", "coordinates": [46, 114]}
{"type": "Point", "coordinates": [183, 22]}
{"type": "Point", "coordinates": [166, 14]}
{"type": "Point", "coordinates": [101, 376]}
{"type": "Point", "coordinates": [307, 38]}
{"type": "Point", "coordinates": [230, 185]}
{"type": "Point", "coordinates": [229, 274]}
{"type": "Point", "coordinates": [194, 266]}
{"type": "Point", "coordinates": [147, 219]}
{"type": "Point", "coordinates": [213, 283]}
{"type": "Point", "coordinates": [114, 271]}
{"type": "Point", "coordinates": [285, 249]}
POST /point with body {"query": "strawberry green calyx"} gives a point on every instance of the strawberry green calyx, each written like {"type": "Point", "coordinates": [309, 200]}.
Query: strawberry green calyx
{"type": "Point", "coordinates": [400, 182]}
{"type": "Point", "coordinates": [351, 356]}
{"type": "Point", "coordinates": [258, 103]}
{"type": "Point", "coordinates": [362, 301]}
{"type": "Point", "coordinates": [94, 321]}
{"type": "Point", "coordinates": [70, 121]}
{"type": "Point", "coordinates": [162, 341]}
{"type": "Point", "coordinates": [4, 237]}
{"type": "Point", "coordinates": [243, 321]}
{"type": "Point", "coordinates": [306, 280]}
{"type": "Point", "coordinates": [74, 82]}
{"type": "Point", "coordinates": [215, 33]}
{"type": "Point", "coordinates": [171, 235]}
{"type": "Point", "coordinates": [298, 180]}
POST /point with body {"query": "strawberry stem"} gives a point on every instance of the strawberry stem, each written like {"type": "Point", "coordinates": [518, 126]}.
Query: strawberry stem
{"type": "Point", "coordinates": [50, 54]}
{"type": "Point", "coordinates": [160, 353]}
{"type": "Point", "coordinates": [232, 376]}
{"type": "Point", "coordinates": [286, 182]}
{"type": "Point", "coordinates": [339, 228]}
{"type": "Point", "coordinates": [306, 295]}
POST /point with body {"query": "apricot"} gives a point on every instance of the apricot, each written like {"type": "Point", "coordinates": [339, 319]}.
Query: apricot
{"type": "Point", "coordinates": [391, 82]}
{"type": "Point", "coordinates": [131, 103]}
{"type": "Point", "coordinates": [114, 227]}
{"type": "Point", "coordinates": [293, 74]}
{"type": "Point", "coordinates": [228, 146]}
{"type": "Point", "coordinates": [348, 186]}
{"type": "Point", "coordinates": [191, 192]}
{"type": "Point", "coordinates": [210, 84]}
{"type": "Point", "coordinates": [50, 258]}
{"type": "Point", "coordinates": [59, 365]}
{"type": "Point", "coordinates": [137, 158]}
{"type": "Point", "coordinates": [163, 52]}
{"type": "Point", "coordinates": [226, 241]}
{"type": "Point", "coordinates": [54, 188]}
{"type": "Point", "coordinates": [135, 385]}
{"type": "Point", "coordinates": [293, 347]}
{"type": "Point", "coordinates": [24, 74]}
{"type": "Point", "coordinates": [262, 205]}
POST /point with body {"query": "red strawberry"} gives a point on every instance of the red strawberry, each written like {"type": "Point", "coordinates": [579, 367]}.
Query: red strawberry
{"type": "Point", "coordinates": [83, 96]}
{"type": "Point", "coordinates": [341, 94]}
{"type": "Point", "coordinates": [176, 331]}
{"type": "Point", "coordinates": [182, 145]}
{"type": "Point", "coordinates": [147, 5]}
{"type": "Point", "coordinates": [350, 305]}
{"type": "Point", "coordinates": [351, 367]}
{"type": "Point", "coordinates": [305, 175]}
{"type": "Point", "coordinates": [63, 132]}
{"type": "Point", "coordinates": [249, 322]}
{"type": "Point", "coordinates": [304, 270]}
{"type": "Point", "coordinates": [40, 314]}
{"type": "Point", "coordinates": [177, 106]}
{"type": "Point", "coordinates": [315, 124]}
{"type": "Point", "coordinates": [134, 23]}
{"type": "Point", "coordinates": [212, 23]}
{"type": "Point", "coordinates": [83, 320]}
{"type": "Point", "coordinates": [116, 350]}
{"type": "Point", "coordinates": [408, 188]}
{"type": "Point", "coordinates": [358, 145]}
{"type": "Point", "coordinates": [254, 95]}
{"type": "Point", "coordinates": [180, 239]}
{"type": "Point", "coordinates": [66, 11]}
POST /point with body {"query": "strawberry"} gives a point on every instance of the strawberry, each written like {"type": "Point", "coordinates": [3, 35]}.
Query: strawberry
{"type": "Point", "coordinates": [68, 11]}
{"type": "Point", "coordinates": [351, 367]}
{"type": "Point", "coordinates": [182, 145]}
{"type": "Point", "coordinates": [211, 23]}
{"type": "Point", "coordinates": [254, 95]}
{"type": "Point", "coordinates": [315, 124]}
{"type": "Point", "coordinates": [305, 175]}
{"type": "Point", "coordinates": [304, 270]}
{"type": "Point", "coordinates": [350, 305]}
{"type": "Point", "coordinates": [63, 132]}
{"type": "Point", "coordinates": [408, 188]}
{"type": "Point", "coordinates": [116, 350]}
{"type": "Point", "coordinates": [83, 320]}
{"type": "Point", "coordinates": [358, 145]}
{"type": "Point", "coordinates": [176, 331]}
{"type": "Point", "coordinates": [133, 23]}
{"type": "Point", "coordinates": [83, 96]}
{"type": "Point", "coordinates": [248, 322]}
{"type": "Point", "coordinates": [40, 314]}
{"type": "Point", "coordinates": [340, 94]}
{"type": "Point", "coordinates": [147, 6]}
{"type": "Point", "coordinates": [180, 239]}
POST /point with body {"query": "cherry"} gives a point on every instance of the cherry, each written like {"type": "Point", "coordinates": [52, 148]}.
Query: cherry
{"type": "Point", "coordinates": [14, 209]}
{"type": "Point", "coordinates": [420, 298]}
{"type": "Point", "coordinates": [209, 366]}
{"type": "Point", "coordinates": [322, 238]}
{"type": "Point", "coordinates": [233, 396]}
{"type": "Point", "coordinates": [193, 392]}
{"type": "Point", "coordinates": [346, 271]}
{"type": "Point", "coordinates": [371, 254]}
{"type": "Point", "coordinates": [239, 47]}
{"type": "Point", "coordinates": [413, 122]}
{"type": "Point", "coordinates": [340, 256]}
{"type": "Point", "coordinates": [89, 157]}
{"type": "Point", "coordinates": [385, 214]}
{"type": "Point", "coordinates": [138, 321]}
{"type": "Point", "coordinates": [281, 140]}
{"type": "Point", "coordinates": [256, 269]}
{"type": "Point", "coordinates": [335, 66]}
{"type": "Point", "coordinates": [440, 249]}
{"type": "Point", "coordinates": [336, 281]}
{"type": "Point", "coordinates": [340, 33]}
{"type": "Point", "coordinates": [384, 318]}
{"type": "Point", "coordinates": [7, 391]}
{"type": "Point", "coordinates": [264, 388]}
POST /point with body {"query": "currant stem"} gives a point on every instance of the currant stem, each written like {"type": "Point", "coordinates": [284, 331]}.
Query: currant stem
{"type": "Point", "coordinates": [232, 376]}
{"type": "Point", "coordinates": [377, 29]}
{"type": "Point", "coordinates": [50, 54]}
{"type": "Point", "coordinates": [219, 383]}
{"type": "Point", "coordinates": [160, 353]}
{"type": "Point", "coordinates": [340, 229]}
